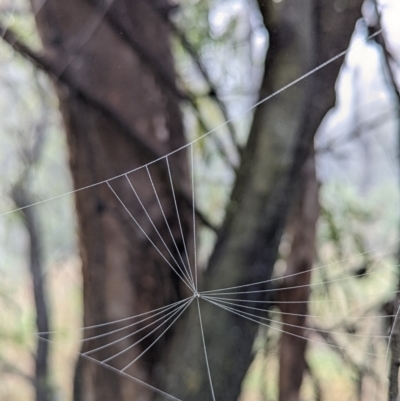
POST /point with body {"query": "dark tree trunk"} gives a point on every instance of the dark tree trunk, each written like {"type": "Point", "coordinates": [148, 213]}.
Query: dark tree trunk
{"type": "Point", "coordinates": [388, 62]}
{"type": "Point", "coordinates": [302, 36]}
{"type": "Point", "coordinates": [41, 379]}
{"type": "Point", "coordinates": [302, 230]}
{"type": "Point", "coordinates": [123, 274]}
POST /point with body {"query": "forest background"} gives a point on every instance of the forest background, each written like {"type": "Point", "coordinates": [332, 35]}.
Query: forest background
{"type": "Point", "coordinates": [307, 179]}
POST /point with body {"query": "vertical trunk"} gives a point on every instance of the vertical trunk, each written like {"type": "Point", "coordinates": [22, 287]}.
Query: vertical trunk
{"type": "Point", "coordinates": [302, 36]}
{"type": "Point", "coordinates": [395, 356]}
{"type": "Point", "coordinates": [42, 380]}
{"type": "Point", "coordinates": [394, 340]}
{"type": "Point", "coordinates": [123, 274]}
{"type": "Point", "coordinates": [302, 228]}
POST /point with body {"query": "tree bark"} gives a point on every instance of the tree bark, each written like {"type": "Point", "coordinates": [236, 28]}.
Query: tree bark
{"type": "Point", "coordinates": [42, 383]}
{"type": "Point", "coordinates": [123, 274]}
{"type": "Point", "coordinates": [302, 229]}
{"type": "Point", "coordinates": [302, 36]}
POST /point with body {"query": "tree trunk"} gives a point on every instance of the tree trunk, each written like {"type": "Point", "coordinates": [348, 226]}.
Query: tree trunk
{"type": "Point", "coordinates": [43, 391]}
{"type": "Point", "coordinates": [302, 229]}
{"type": "Point", "coordinates": [302, 36]}
{"type": "Point", "coordinates": [390, 73]}
{"type": "Point", "coordinates": [123, 274]}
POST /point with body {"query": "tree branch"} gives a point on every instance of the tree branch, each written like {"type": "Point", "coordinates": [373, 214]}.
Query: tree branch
{"type": "Point", "coordinates": [329, 339]}
{"type": "Point", "coordinates": [213, 94]}
{"type": "Point", "coordinates": [50, 66]}
{"type": "Point", "coordinates": [356, 133]}
{"type": "Point", "coordinates": [118, 20]}
{"type": "Point", "coordinates": [56, 71]}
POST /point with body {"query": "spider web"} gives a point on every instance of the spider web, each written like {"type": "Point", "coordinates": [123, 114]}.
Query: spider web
{"type": "Point", "coordinates": [157, 322]}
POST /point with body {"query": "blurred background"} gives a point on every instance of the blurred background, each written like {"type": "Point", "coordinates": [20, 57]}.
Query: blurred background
{"type": "Point", "coordinates": [307, 180]}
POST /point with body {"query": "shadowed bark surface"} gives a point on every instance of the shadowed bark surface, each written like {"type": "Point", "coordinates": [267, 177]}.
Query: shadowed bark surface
{"type": "Point", "coordinates": [302, 230]}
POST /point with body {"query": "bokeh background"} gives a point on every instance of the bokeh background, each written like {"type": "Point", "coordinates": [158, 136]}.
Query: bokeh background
{"type": "Point", "coordinates": [357, 171]}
